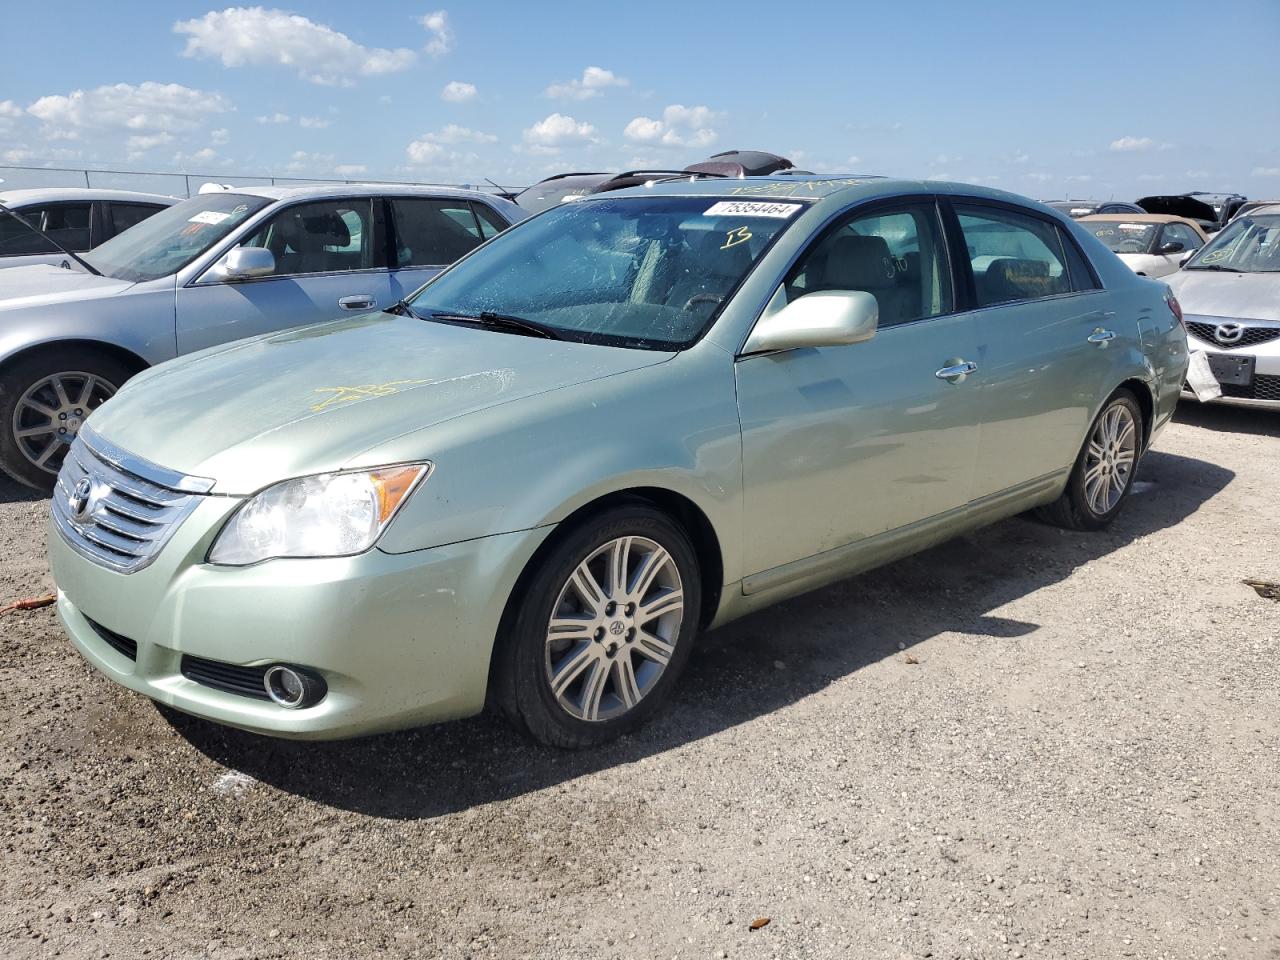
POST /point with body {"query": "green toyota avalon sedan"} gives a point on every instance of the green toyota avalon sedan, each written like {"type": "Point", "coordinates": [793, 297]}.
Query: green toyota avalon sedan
{"type": "Point", "coordinates": [621, 422]}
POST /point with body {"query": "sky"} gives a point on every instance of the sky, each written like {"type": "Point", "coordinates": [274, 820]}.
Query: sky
{"type": "Point", "coordinates": [1087, 100]}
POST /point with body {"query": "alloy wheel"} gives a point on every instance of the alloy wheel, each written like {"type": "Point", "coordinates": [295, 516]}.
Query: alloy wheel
{"type": "Point", "coordinates": [1110, 458]}
{"type": "Point", "coordinates": [613, 628]}
{"type": "Point", "coordinates": [51, 411]}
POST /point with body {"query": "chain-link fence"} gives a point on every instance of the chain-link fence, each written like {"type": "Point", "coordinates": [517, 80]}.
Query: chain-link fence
{"type": "Point", "coordinates": [171, 184]}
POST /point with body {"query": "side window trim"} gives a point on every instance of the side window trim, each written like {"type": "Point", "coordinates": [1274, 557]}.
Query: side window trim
{"type": "Point", "coordinates": [965, 268]}
{"type": "Point", "coordinates": [925, 202]}
{"type": "Point", "coordinates": [263, 219]}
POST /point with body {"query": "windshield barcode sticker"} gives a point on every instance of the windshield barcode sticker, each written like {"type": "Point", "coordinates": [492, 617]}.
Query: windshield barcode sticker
{"type": "Point", "coordinates": [208, 216]}
{"type": "Point", "coordinates": [750, 208]}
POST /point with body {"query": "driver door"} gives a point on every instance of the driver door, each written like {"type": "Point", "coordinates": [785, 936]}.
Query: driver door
{"type": "Point", "coordinates": [843, 443]}
{"type": "Point", "coordinates": [330, 261]}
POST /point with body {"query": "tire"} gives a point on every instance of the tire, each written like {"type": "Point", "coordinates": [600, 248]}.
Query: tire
{"type": "Point", "coordinates": [1099, 485]}
{"type": "Point", "coordinates": [606, 652]}
{"type": "Point", "coordinates": [88, 378]}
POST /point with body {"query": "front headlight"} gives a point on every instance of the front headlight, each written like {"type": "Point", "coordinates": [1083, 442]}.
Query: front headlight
{"type": "Point", "coordinates": [326, 515]}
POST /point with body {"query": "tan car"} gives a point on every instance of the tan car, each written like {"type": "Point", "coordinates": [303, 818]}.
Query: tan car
{"type": "Point", "coordinates": [1150, 244]}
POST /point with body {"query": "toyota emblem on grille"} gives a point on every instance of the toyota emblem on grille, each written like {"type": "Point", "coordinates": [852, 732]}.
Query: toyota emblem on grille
{"type": "Point", "coordinates": [80, 497]}
{"type": "Point", "coordinates": [1228, 333]}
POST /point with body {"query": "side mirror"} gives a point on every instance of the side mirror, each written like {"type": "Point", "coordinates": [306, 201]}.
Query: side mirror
{"type": "Point", "coordinates": [1183, 261]}
{"type": "Point", "coordinates": [243, 263]}
{"type": "Point", "coordinates": [1173, 246]}
{"type": "Point", "coordinates": [829, 318]}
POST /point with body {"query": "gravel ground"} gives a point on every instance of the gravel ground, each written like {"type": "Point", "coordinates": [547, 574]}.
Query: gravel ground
{"type": "Point", "coordinates": [1024, 743]}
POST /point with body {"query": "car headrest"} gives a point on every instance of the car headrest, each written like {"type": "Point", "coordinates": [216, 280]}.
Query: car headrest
{"type": "Point", "coordinates": [860, 263]}
{"type": "Point", "coordinates": [311, 233]}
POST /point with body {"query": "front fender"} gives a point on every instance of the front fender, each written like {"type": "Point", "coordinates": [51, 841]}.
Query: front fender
{"type": "Point", "coordinates": [533, 462]}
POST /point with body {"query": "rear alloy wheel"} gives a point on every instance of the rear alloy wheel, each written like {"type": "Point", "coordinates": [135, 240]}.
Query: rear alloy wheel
{"type": "Point", "coordinates": [602, 630]}
{"type": "Point", "coordinates": [44, 400]}
{"type": "Point", "coordinates": [1104, 470]}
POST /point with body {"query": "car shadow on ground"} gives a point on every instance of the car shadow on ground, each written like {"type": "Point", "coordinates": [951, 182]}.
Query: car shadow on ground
{"type": "Point", "coordinates": [737, 673]}
{"type": "Point", "coordinates": [11, 491]}
{"type": "Point", "coordinates": [1221, 419]}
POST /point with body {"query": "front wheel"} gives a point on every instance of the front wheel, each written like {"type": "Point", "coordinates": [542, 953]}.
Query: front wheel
{"type": "Point", "coordinates": [1104, 471]}
{"type": "Point", "coordinates": [601, 630]}
{"type": "Point", "coordinates": [44, 399]}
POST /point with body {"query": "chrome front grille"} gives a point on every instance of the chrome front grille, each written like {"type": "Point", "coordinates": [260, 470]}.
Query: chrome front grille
{"type": "Point", "coordinates": [116, 509]}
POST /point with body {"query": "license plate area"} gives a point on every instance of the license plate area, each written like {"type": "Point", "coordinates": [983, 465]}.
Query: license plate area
{"type": "Point", "coordinates": [1235, 371]}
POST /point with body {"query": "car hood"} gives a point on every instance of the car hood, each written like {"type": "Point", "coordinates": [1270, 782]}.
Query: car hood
{"type": "Point", "coordinates": [309, 399]}
{"type": "Point", "coordinates": [1213, 293]}
{"type": "Point", "coordinates": [49, 283]}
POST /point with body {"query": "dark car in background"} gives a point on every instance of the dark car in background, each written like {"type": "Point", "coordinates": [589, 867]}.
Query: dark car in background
{"type": "Point", "coordinates": [741, 163]}
{"type": "Point", "coordinates": [1212, 210]}
{"type": "Point", "coordinates": [1075, 209]}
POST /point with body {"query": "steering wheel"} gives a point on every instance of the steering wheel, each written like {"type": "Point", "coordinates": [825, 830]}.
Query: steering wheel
{"type": "Point", "coordinates": [698, 298]}
{"type": "Point", "coordinates": [1133, 243]}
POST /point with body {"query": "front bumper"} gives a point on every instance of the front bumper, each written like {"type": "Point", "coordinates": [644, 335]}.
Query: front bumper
{"type": "Point", "coordinates": [1264, 392]}
{"type": "Point", "coordinates": [400, 639]}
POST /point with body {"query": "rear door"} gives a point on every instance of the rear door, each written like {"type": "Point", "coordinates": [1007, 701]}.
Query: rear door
{"type": "Point", "coordinates": [66, 223]}
{"type": "Point", "coordinates": [430, 233]}
{"type": "Point", "coordinates": [330, 262]}
{"type": "Point", "coordinates": [1043, 322]}
{"type": "Point", "coordinates": [843, 443]}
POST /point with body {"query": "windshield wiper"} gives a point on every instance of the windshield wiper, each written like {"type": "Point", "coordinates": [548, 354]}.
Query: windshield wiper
{"type": "Point", "coordinates": [31, 226]}
{"type": "Point", "coordinates": [1214, 266]}
{"type": "Point", "coordinates": [402, 308]}
{"type": "Point", "coordinates": [501, 321]}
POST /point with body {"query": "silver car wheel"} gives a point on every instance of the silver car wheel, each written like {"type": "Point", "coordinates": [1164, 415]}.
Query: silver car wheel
{"type": "Point", "coordinates": [49, 415]}
{"type": "Point", "coordinates": [1110, 458]}
{"type": "Point", "coordinates": [614, 628]}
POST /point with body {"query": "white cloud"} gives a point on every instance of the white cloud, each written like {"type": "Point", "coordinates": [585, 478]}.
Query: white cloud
{"type": "Point", "coordinates": [423, 151]}
{"type": "Point", "coordinates": [1039, 177]}
{"type": "Point", "coordinates": [255, 36]}
{"type": "Point", "coordinates": [430, 147]}
{"type": "Point", "coordinates": [593, 83]}
{"type": "Point", "coordinates": [1265, 172]}
{"type": "Point", "coordinates": [137, 110]}
{"type": "Point", "coordinates": [313, 123]}
{"type": "Point", "coordinates": [455, 91]}
{"type": "Point", "coordinates": [274, 118]}
{"type": "Point", "coordinates": [220, 136]}
{"type": "Point", "coordinates": [141, 143]}
{"type": "Point", "coordinates": [350, 169]}
{"type": "Point", "coordinates": [943, 158]}
{"type": "Point", "coordinates": [557, 130]}
{"type": "Point", "coordinates": [854, 160]}
{"type": "Point", "coordinates": [437, 24]}
{"type": "Point", "coordinates": [18, 155]}
{"type": "Point", "coordinates": [1145, 177]}
{"type": "Point", "coordinates": [1078, 178]}
{"type": "Point", "coordinates": [10, 110]}
{"type": "Point", "coordinates": [207, 155]}
{"type": "Point", "coordinates": [301, 161]}
{"type": "Point", "coordinates": [1131, 144]}
{"type": "Point", "coordinates": [680, 126]}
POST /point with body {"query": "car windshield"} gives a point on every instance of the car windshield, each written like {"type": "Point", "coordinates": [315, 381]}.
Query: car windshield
{"type": "Point", "coordinates": [167, 242]}
{"type": "Point", "coordinates": [1246, 245]}
{"type": "Point", "coordinates": [1122, 237]}
{"type": "Point", "coordinates": [644, 272]}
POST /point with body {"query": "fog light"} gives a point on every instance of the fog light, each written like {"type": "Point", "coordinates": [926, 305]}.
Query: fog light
{"type": "Point", "coordinates": [293, 687]}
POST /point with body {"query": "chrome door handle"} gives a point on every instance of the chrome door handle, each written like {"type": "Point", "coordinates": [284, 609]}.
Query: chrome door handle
{"type": "Point", "coordinates": [1101, 336]}
{"type": "Point", "coordinates": [359, 302]}
{"type": "Point", "coordinates": [956, 371]}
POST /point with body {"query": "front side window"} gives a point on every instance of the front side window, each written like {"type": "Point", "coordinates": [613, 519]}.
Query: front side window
{"type": "Point", "coordinates": [1013, 256]}
{"type": "Point", "coordinates": [165, 243]}
{"type": "Point", "coordinates": [644, 272]}
{"type": "Point", "coordinates": [1248, 244]}
{"type": "Point", "coordinates": [328, 236]}
{"type": "Point", "coordinates": [896, 255]}
{"type": "Point", "coordinates": [433, 233]}
{"type": "Point", "coordinates": [19, 240]}
{"type": "Point", "coordinates": [1181, 233]}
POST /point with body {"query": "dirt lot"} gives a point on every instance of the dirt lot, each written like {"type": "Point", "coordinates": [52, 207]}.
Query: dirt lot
{"type": "Point", "coordinates": [1024, 743]}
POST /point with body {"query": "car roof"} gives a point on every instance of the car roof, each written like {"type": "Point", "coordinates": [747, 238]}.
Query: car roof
{"type": "Point", "coordinates": [814, 188]}
{"type": "Point", "coordinates": [1137, 218]}
{"type": "Point", "coordinates": [56, 194]}
{"type": "Point", "coordinates": [1271, 207]}
{"type": "Point", "coordinates": [323, 191]}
